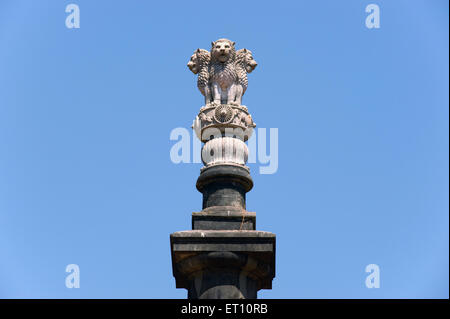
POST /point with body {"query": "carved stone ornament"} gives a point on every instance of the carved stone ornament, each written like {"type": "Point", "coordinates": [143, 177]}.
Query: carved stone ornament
{"type": "Point", "coordinates": [222, 117]}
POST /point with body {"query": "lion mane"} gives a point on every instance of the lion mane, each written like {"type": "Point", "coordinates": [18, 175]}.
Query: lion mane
{"type": "Point", "coordinates": [244, 64]}
{"type": "Point", "coordinates": [199, 64]}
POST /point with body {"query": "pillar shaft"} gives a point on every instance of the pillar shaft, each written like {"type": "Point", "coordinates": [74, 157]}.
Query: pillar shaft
{"type": "Point", "coordinates": [223, 256]}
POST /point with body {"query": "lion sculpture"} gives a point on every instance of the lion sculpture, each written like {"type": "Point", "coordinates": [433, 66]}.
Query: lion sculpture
{"type": "Point", "coordinates": [244, 64]}
{"type": "Point", "coordinates": [222, 73]}
{"type": "Point", "coordinates": [199, 64]}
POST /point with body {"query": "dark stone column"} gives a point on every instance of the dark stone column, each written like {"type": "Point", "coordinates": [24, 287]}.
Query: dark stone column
{"type": "Point", "coordinates": [224, 185]}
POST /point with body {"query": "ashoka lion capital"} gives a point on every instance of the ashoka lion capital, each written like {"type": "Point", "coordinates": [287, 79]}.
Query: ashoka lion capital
{"type": "Point", "coordinates": [222, 80]}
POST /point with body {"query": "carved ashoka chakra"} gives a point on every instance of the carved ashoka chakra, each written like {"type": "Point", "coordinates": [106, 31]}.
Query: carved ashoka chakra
{"type": "Point", "coordinates": [223, 114]}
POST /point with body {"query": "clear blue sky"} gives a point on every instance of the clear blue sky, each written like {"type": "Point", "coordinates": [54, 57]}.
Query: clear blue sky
{"type": "Point", "coordinates": [85, 118]}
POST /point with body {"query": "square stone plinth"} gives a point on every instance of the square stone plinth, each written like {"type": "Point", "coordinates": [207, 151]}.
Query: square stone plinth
{"type": "Point", "coordinates": [224, 220]}
{"type": "Point", "coordinates": [256, 250]}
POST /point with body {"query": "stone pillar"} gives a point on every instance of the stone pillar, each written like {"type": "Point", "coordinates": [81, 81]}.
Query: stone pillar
{"type": "Point", "coordinates": [223, 256]}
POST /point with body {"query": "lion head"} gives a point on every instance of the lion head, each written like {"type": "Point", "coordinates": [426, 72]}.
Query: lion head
{"type": "Point", "coordinates": [245, 57]}
{"type": "Point", "coordinates": [199, 59]}
{"type": "Point", "coordinates": [223, 50]}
